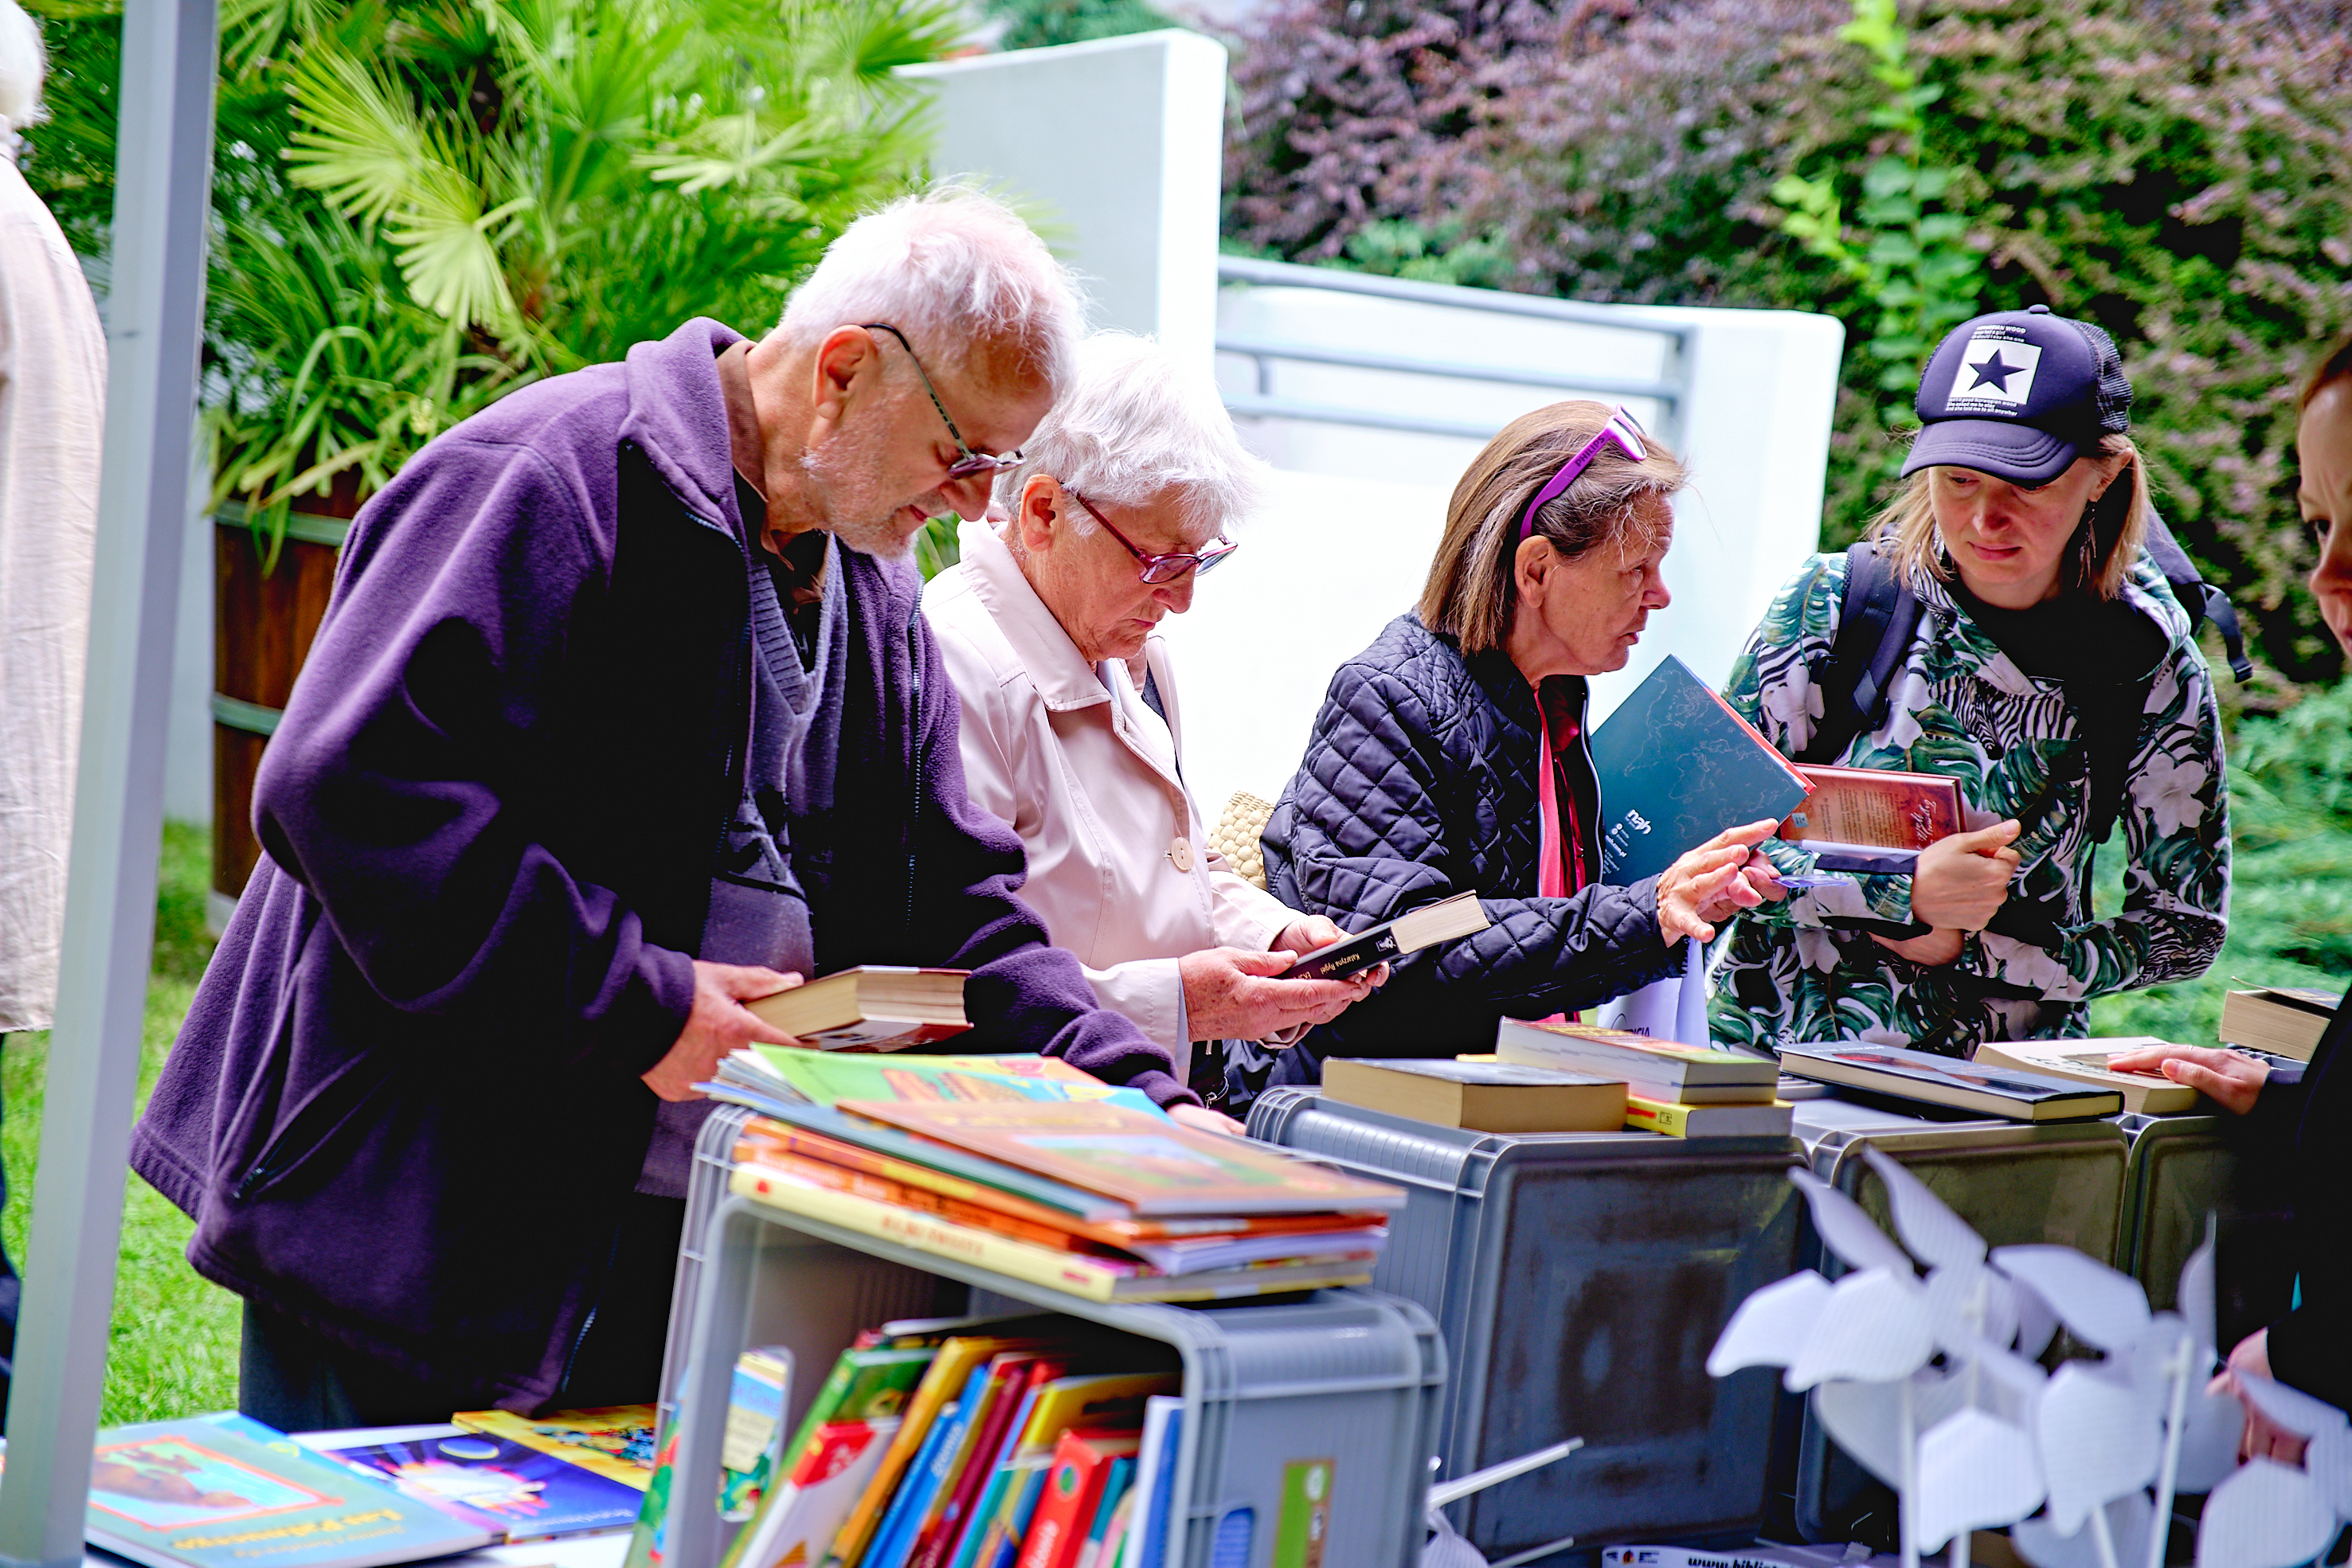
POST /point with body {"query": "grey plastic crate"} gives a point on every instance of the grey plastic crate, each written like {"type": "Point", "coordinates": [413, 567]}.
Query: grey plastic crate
{"type": "Point", "coordinates": [2182, 1168]}
{"type": "Point", "coordinates": [1349, 1376]}
{"type": "Point", "coordinates": [1581, 1280]}
{"type": "Point", "coordinates": [2059, 1182]}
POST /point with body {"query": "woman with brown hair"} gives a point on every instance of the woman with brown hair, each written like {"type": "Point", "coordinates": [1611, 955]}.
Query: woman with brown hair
{"type": "Point", "coordinates": [1451, 754]}
{"type": "Point", "coordinates": [2050, 671]}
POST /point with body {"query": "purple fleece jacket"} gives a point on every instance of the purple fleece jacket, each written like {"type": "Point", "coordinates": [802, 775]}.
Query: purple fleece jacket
{"type": "Point", "coordinates": [404, 1108]}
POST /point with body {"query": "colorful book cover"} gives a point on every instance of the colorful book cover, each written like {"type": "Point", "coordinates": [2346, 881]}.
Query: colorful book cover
{"type": "Point", "coordinates": [614, 1440]}
{"type": "Point", "coordinates": [1114, 1493]}
{"type": "Point", "coordinates": [755, 1419]}
{"type": "Point", "coordinates": [1153, 1167]}
{"type": "Point", "coordinates": [1074, 1484]}
{"type": "Point", "coordinates": [1874, 807]}
{"type": "Point", "coordinates": [1677, 766]}
{"type": "Point", "coordinates": [1012, 1383]}
{"type": "Point", "coordinates": [520, 1494]}
{"type": "Point", "coordinates": [829, 1473]}
{"type": "Point", "coordinates": [1948, 1081]}
{"type": "Point", "coordinates": [829, 1077]}
{"type": "Point", "coordinates": [200, 1494]}
{"type": "Point", "coordinates": [894, 1543]}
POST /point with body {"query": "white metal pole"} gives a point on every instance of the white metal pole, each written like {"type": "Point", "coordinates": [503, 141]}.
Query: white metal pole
{"type": "Point", "coordinates": [154, 310]}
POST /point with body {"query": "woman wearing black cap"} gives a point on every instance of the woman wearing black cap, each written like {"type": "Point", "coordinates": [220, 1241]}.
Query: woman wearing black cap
{"type": "Point", "coordinates": [2048, 668]}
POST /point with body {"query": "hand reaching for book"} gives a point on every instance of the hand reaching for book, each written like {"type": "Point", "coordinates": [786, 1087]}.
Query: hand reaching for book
{"type": "Point", "coordinates": [1963, 879]}
{"type": "Point", "coordinates": [1713, 882]}
{"type": "Point", "coordinates": [1231, 994]}
{"type": "Point", "coordinates": [2231, 1081]}
{"type": "Point", "coordinates": [1201, 1119]}
{"type": "Point", "coordinates": [719, 1024]}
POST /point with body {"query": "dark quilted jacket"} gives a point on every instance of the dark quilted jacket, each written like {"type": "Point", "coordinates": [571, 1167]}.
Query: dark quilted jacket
{"type": "Point", "coordinates": [1420, 780]}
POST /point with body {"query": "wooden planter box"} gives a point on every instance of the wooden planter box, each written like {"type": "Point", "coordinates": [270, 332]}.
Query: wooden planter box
{"type": "Point", "coordinates": [262, 628]}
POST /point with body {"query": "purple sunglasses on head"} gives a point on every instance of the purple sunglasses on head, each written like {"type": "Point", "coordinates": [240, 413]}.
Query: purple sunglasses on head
{"type": "Point", "coordinates": [1621, 428]}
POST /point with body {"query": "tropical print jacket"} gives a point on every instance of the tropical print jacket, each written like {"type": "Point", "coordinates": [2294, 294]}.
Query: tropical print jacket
{"type": "Point", "coordinates": [1807, 969]}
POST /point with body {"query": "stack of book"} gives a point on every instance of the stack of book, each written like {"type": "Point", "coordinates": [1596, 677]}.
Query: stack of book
{"type": "Point", "coordinates": [1681, 1090]}
{"type": "Point", "coordinates": [1979, 1088]}
{"type": "Point", "coordinates": [1086, 1196]}
{"type": "Point", "coordinates": [1029, 1444]}
{"type": "Point", "coordinates": [766, 1073]}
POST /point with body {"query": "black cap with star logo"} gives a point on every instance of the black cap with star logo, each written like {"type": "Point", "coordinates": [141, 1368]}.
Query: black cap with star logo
{"type": "Point", "coordinates": [2020, 394]}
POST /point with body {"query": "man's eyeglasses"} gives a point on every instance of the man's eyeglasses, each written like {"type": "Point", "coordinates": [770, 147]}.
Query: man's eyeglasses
{"type": "Point", "coordinates": [970, 463]}
{"type": "Point", "coordinates": [1167, 568]}
{"type": "Point", "coordinates": [1620, 429]}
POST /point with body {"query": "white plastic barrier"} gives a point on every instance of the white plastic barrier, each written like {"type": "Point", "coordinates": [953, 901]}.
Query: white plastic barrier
{"type": "Point", "coordinates": [1113, 150]}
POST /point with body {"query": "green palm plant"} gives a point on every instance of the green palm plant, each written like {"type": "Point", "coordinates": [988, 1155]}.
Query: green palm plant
{"type": "Point", "coordinates": [561, 178]}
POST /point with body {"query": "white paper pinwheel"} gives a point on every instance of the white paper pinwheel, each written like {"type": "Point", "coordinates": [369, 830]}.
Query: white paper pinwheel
{"type": "Point", "coordinates": [1932, 1384]}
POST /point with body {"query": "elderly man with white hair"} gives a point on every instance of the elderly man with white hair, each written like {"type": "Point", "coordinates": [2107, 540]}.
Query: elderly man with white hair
{"type": "Point", "coordinates": [1121, 503]}
{"type": "Point", "coordinates": [622, 714]}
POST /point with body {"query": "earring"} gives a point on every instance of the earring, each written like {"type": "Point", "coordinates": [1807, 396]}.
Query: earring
{"type": "Point", "coordinates": [2086, 551]}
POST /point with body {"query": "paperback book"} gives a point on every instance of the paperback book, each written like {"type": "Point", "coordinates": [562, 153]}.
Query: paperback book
{"type": "Point", "coordinates": [2018, 1096]}
{"type": "Point", "coordinates": [615, 1441]}
{"type": "Point", "coordinates": [829, 1077]}
{"type": "Point", "coordinates": [1872, 820]}
{"type": "Point", "coordinates": [2085, 1061]}
{"type": "Point", "coordinates": [1447, 920]}
{"type": "Point", "coordinates": [1484, 1096]}
{"type": "Point", "coordinates": [1655, 1069]}
{"type": "Point", "coordinates": [2286, 1021]}
{"type": "Point", "coordinates": [1643, 1115]}
{"type": "Point", "coordinates": [518, 1494]}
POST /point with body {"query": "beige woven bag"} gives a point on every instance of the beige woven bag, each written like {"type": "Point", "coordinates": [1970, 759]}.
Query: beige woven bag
{"type": "Point", "coordinates": [1236, 836]}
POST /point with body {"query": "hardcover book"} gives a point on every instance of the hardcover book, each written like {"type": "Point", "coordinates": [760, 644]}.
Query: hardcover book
{"type": "Point", "coordinates": [200, 1494]}
{"type": "Point", "coordinates": [1153, 1167]}
{"type": "Point", "coordinates": [1658, 1069]}
{"type": "Point", "coordinates": [1947, 1081]}
{"type": "Point", "coordinates": [2085, 1061]}
{"type": "Point", "coordinates": [873, 1007]}
{"type": "Point", "coordinates": [517, 1493]}
{"type": "Point", "coordinates": [1854, 817]}
{"type": "Point", "coordinates": [1484, 1096]}
{"type": "Point", "coordinates": [1446, 920]}
{"type": "Point", "coordinates": [1677, 766]}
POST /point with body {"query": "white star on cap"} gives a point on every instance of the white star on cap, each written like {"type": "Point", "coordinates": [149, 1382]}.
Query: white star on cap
{"type": "Point", "coordinates": [1997, 371]}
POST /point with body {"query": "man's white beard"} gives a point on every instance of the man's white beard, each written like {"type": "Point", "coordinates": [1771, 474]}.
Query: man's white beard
{"type": "Point", "coordinates": [850, 499]}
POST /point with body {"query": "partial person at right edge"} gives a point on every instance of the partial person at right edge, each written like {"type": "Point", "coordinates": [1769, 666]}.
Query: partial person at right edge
{"type": "Point", "coordinates": [2052, 673]}
{"type": "Point", "coordinates": [2311, 1347]}
{"type": "Point", "coordinates": [1451, 754]}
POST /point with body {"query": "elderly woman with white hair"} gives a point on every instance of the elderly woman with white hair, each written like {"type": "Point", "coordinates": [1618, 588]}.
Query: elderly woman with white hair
{"type": "Point", "coordinates": [1121, 503]}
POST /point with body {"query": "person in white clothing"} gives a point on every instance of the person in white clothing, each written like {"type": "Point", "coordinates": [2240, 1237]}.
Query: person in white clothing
{"type": "Point", "coordinates": [52, 406]}
{"type": "Point", "coordinates": [1120, 505]}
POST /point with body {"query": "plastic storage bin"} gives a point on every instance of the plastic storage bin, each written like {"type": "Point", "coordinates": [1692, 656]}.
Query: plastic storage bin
{"type": "Point", "coordinates": [2059, 1182]}
{"type": "Point", "coordinates": [1351, 1377]}
{"type": "Point", "coordinates": [2182, 1168]}
{"type": "Point", "coordinates": [1581, 1280]}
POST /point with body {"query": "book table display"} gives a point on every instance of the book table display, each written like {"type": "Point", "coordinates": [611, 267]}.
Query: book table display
{"type": "Point", "coordinates": [1343, 1384]}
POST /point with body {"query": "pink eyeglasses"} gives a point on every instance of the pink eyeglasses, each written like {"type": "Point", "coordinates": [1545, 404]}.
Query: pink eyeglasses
{"type": "Point", "coordinates": [1621, 429]}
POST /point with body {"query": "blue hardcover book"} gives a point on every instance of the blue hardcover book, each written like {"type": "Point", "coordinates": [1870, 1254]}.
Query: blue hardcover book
{"type": "Point", "coordinates": [1677, 766]}
{"type": "Point", "coordinates": [970, 1530]}
{"type": "Point", "coordinates": [521, 1493]}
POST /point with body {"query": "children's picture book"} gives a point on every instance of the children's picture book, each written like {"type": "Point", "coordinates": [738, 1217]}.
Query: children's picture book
{"type": "Point", "coordinates": [521, 1494]}
{"type": "Point", "coordinates": [1677, 766]}
{"type": "Point", "coordinates": [1484, 1096]}
{"type": "Point", "coordinates": [1656, 1069]}
{"type": "Point", "coordinates": [873, 1006]}
{"type": "Point", "coordinates": [1154, 1167]}
{"type": "Point", "coordinates": [1446, 920]}
{"type": "Point", "coordinates": [1948, 1080]}
{"type": "Point", "coordinates": [202, 1494]}
{"type": "Point", "coordinates": [615, 1441]}
{"type": "Point", "coordinates": [827, 1078]}
{"type": "Point", "coordinates": [830, 1471]}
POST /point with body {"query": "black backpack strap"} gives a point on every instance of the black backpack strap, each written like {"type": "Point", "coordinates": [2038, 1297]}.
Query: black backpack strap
{"type": "Point", "coordinates": [2202, 600]}
{"type": "Point", "coordinates": [1874, 627]}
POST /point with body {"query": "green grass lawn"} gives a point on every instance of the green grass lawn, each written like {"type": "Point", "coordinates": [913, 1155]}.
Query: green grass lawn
{"type": "Point", "coordinates": [173, 1343]}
